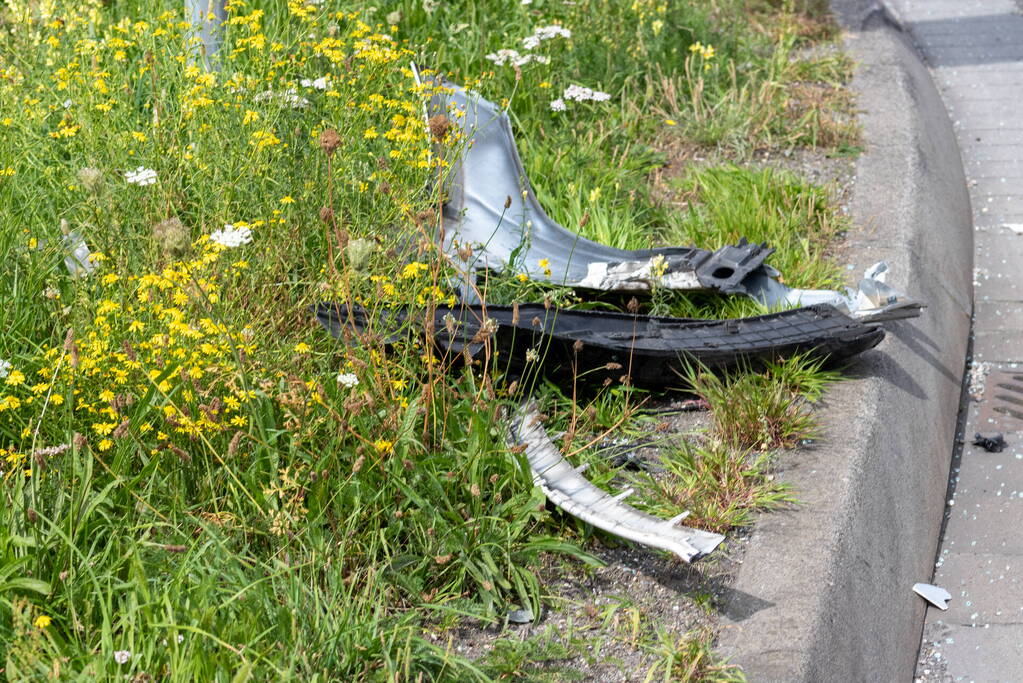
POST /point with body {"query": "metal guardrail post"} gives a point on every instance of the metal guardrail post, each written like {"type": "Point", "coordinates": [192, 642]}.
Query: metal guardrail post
{"type": "Point", "coordinates": [208, 16]}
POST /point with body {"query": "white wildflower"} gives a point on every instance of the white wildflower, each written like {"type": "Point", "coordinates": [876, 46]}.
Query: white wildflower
{"type": "Point", "coordinates": [430, 6]}
{"type": "Point", "coordinates": [394, 17]}
{"type": "Point", "coordinates": [558, 105]}
{"type": "Point", "coordinates": [347, 379]}
{"type": "Point", "coordinates": [141, 176]}
{"type": "Point", "coordinates": [122, 656]}
{"type": "Point", "coordinates": [527, 2]}
{"type": "Point", "coordinates": [289, 97]}
{"type": "Point", "coordinates": [545, 33]}
{"type": "Point", "coordinates": [321, 83]}
{"type": "Point", "coordinates": [231, 236]}
{"type": "Point", "coordinates": [67, 104]}
{"type": "Point", "coordinates": [580, 93]}
{"type": "Point", "coordinates": [5, 368]}
{"type": "Point", "coordinates": [505, 56]}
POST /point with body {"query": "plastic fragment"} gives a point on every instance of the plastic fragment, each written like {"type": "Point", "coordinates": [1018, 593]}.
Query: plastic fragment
{"type": "Point", "coordinates": [935, 595]}
{"type": "Point", "coordinates": [77, 260]}
{"type": "Point", "coordinates": [520, 616]}
{"type": "Point", "coordinates": [991, 444]}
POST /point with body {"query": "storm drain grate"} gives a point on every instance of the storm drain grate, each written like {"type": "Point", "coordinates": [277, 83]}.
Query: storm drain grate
{"type": "Point", "coordinates": [1003, 397]}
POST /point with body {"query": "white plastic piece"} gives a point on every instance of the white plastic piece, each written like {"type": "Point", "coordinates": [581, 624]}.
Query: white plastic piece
{"type": "Point", "coordinates": [935, 595]}
{"type": "Point", "coordinates": [77, 261]}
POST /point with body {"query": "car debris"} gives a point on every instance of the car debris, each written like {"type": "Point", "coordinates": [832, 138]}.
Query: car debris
{"type": "Point", "coordinates": [491, 207]}
{"type": "Point", "coordinates": [991, 444]}
{"type": "Point", "coordinates": [78, 260]}
{"type": "Point", "coordinates": [649, 351]}
{"type": "Point", "coordinates": [935, 595]}
{"type": "Point", "coordinates": [569, 490]}
{"type": "Point", "coordinates": [520, 616]}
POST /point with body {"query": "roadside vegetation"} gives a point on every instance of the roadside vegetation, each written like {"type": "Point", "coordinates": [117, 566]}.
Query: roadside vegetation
{"type": "Point", "coordinates": [196, 482]}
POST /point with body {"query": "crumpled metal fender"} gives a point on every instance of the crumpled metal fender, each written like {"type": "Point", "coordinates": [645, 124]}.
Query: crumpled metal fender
{"type": "Point", "coordinates": [492, 207]}
{"type": "Point", "coordinates": [488, 174]}
{"type": "Point", "coordinates": [569, 490]}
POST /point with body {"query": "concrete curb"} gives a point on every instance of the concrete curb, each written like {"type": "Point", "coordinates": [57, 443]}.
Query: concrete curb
{"type": "Point", "coordinates": [824, 593]}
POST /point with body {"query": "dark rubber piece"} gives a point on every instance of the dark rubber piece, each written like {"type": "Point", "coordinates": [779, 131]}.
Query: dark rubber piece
{"type": "Point", "coordinates": [651, 350]}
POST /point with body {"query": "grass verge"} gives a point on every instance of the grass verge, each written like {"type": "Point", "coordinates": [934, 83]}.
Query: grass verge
{"type": "Point", "coordinates": [196, 480]}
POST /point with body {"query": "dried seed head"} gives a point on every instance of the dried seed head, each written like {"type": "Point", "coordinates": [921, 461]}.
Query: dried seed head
{"type": "Point", "coordinates": [232, 447]}
{"type": "Point", "coordinates": [180, 453]}
{"type": "Point", "coordinates": [79, 441]}
{"type": "Point", "coordinates": [326, 214]}
{"type": "Point", "coordinates": [358, 464]}
{"type": "Point", "coordinates": [633, 305]}
{"type": "Point", "coordinates": [515, 313]}
{"type": "Point", "coordinates": [32, 516]}
{"type": "Point", "coordinates": [507, 202]}
{"type": "Point", "coordinates": [91, 179]}
{"type": "Point", "coordinates": [329, 141]}
{"type": "Point", "coordinates": [577, 346]}
{"type": "Point", "coordinates": [172, 236]}
{"type": "Point", "coordinates": [358, 252]}
{"type": "Point", "coordinates": [439, 127]}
